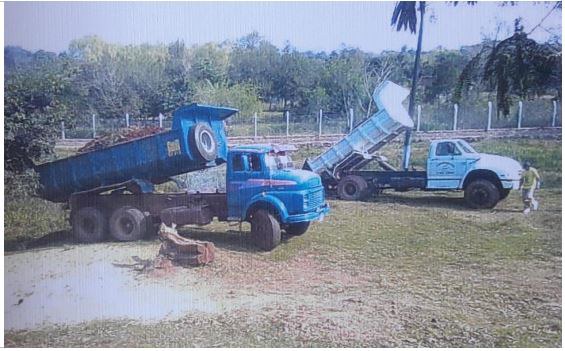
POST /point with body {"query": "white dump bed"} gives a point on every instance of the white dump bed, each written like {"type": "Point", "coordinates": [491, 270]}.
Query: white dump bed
{"type": "Point", "coordinates": [360, 146]}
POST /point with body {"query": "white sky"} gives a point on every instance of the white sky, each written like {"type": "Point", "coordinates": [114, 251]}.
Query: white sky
{"type": "Point", "coordinates": [313, 26]}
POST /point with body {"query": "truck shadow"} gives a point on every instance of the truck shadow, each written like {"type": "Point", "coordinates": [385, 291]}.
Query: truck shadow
{"type": "Point", "coordinates": [53, 239]}
{"type": "Point", "coordinates": [428, 201]}
{"type": "Point", "coordinates": [232, 240]}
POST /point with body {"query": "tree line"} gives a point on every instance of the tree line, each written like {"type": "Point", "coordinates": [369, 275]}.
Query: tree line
{"type": "Point", "coordinates": [251, 74]}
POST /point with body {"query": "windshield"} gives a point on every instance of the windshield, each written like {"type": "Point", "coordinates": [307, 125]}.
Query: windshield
{"type": "Point", "coordinates": [466, 147]}
{"type": "Point", "coordinates": [279, 161]}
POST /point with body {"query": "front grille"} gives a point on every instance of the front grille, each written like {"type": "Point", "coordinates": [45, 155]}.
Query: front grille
{"type": "Point", "coordinates": [315, 198]}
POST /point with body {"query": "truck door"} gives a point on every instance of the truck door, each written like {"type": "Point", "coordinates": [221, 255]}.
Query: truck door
{"type": "Point", "coordinates": [236, 177]}
{"type": "Point", "coordinates": [244, 181]}
{"type": "Point", "coordinates": [446, 166]}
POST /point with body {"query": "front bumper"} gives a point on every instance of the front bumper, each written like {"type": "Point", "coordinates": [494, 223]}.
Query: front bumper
{"type": "Point", "coordinates": [510, 184]}
{"type": "Point", "coordinates": [318, 213]}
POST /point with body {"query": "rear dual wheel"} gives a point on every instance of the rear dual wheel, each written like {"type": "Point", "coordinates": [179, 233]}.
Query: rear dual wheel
{"type": "Point", "coordinates": [90, 224]}
{"type": "Point", "coordinates": [352, 188]}
{"type": "Point", "coordinates": [128, 224]}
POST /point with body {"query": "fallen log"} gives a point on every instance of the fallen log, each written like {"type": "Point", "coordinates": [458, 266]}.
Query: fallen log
{"type": "Point", "coordinates": [182, 251]}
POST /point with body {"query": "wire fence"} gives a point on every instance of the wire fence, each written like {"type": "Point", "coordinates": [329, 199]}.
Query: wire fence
{"type": "Point", "coordinates": [428, 117]}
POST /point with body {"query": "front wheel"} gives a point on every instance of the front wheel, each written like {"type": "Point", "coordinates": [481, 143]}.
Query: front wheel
{"type": "Point", "coordinates": [265, 230]}
{"type": "Point", "coordinates": [481, 194]}
{"type": "Point", "coordinates": [297, 228]}
{"type": "Point", "coordinates": [504, 193]}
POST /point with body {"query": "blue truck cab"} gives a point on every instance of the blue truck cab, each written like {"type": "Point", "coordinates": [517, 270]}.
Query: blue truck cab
{"type": "Point", "coordinates": [264, 176]}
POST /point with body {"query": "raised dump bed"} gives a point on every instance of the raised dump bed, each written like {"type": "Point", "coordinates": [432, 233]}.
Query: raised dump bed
{"type": "Point", "coordinates": [197, 140]}
{"type": "Point", "coordinates": [360, 146]}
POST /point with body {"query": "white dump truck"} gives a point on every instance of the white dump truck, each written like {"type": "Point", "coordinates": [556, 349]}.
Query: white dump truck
{"type": "Point", "coordinates": [452, 164]}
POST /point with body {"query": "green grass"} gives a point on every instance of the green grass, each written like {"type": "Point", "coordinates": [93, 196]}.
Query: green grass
{"type": "Point", "coordinates": [30, 219]}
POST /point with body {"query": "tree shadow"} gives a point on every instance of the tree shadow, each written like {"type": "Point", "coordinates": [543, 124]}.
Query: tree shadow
{"type": "Point", "coordinates": [53, 239]}
{"type": "Point", "coordinates": [432, 200]}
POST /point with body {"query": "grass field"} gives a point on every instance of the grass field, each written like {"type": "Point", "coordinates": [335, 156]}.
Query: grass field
{"type": "Point", "coordinates": [403, 269]}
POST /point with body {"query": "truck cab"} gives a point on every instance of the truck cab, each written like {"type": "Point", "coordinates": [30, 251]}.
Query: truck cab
{"type": "Point", "coordinates": [453, 164]}
{"type": "Point", "coordinates": [265, 189]}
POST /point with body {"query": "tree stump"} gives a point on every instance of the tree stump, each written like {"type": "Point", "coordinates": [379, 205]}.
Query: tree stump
{"type": "Point", "coordinates": [182, 251]}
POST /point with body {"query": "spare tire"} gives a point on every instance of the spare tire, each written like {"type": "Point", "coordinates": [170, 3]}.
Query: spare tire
{"type": "Point", "coordinates": [203, 142]}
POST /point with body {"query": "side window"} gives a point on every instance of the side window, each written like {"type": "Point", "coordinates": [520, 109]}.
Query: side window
{"type": "Point", "coordinates": [447, 148]}
{"type": "Point", "coordinates": [237, 163]}
{"type": "Point", "coordinates": [254, 162]}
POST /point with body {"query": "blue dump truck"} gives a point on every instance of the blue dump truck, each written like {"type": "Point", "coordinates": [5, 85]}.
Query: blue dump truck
{"type": "Point", "coordinates": [452, 164]}
{"type": "Point", "coordinates": [111, 190]}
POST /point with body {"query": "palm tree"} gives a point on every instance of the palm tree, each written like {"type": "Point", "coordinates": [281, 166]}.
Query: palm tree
{"type": "Point", "coordinates": [405, 16]}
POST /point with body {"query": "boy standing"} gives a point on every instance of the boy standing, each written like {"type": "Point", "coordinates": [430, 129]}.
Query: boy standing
{"type": "Point", "coordinates": [528, 183]}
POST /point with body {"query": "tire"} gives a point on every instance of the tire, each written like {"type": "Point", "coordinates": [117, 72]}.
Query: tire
{"type": "Point", "coordinates": [89, 225]}
{"type": "Point", "coordinates": [352, 188]}
{"type": "Point", "coordinates": [297, 228]}
{"type": "Point", "coordinates": [481, 194]}
{"type": "Point", "coordinates": [128, 224]}
{"type": "Point", "coordinates": [203, 142]}
{"type": "Point", "coordinates": [265, 230]}
{"type": "Point", "coordinates": [504, 193]}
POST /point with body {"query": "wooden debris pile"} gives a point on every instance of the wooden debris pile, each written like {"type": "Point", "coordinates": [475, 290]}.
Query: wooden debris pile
{"type": "Point", "coordinates": [180, 251]}
{"type": "Point", "coordinates": [123, 135]}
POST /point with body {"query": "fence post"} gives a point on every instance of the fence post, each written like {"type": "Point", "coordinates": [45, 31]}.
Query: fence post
{"type": "Point", "coordinates": [62, 130]}
{"type": "Point", "coordinates": [93, 126]}
{"type": "Point", "coordinates": [418, 118]}
{"type": "Point", "coordinates": [554, 113]}
{"type": "Point", "coordinates": [519, 114]}
{"type": "Point", "coordinates": [320, 124]}
{"type": "Point", "coordinates": [255, 126]}
{"type": "Point", "coordinates": [455, 111]}
{"type": "Point", "coordinates": [489, 120]}
{"type": "Point", "coordinates": [351, 119]}
{"type": "Point", "coordinates": [287, 122]}
{"type": "Point", "coordinates": [127, 120]}
{"type": "Point", "coordinates": [161, 120]}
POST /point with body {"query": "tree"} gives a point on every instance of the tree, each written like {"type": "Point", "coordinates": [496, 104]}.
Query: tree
{"type": "Point", "coordinates": [405, 16]}
{"type": "Point", "coordinates": [516, 66]}
{"type": "Point", "coordinates": [37, 99]}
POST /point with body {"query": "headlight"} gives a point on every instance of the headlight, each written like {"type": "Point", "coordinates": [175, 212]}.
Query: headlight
{"type": "Point", "coordinates": [305, 201]}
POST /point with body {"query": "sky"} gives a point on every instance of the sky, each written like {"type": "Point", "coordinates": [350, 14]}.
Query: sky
{"type": "Point", "coordinates": [315, 26]}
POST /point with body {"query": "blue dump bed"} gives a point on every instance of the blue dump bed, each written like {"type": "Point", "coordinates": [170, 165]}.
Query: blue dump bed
{"type": "Point", "coordinates": [197, 140]}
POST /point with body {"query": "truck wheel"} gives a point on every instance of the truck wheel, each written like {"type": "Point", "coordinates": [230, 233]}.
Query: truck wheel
{"type": "Point", "coordinates": [128, 224]}
{"type": "Point", "coordinates": [352, 188]}
{"type": "Point", "coordinates": [89, 225]}
{"type": "Point", "coordinates": [481, 194]}
{"type": "Point", "coordinates": [203, 141]}
{"type": "Point", "coordinates": [297, 228]}
{"type": "Point", "coordinates": [265, 230]}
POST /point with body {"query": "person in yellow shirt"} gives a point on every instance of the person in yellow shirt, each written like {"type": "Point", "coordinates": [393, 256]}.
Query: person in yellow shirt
{"type": "Point", "coordinates": [529, 182]}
